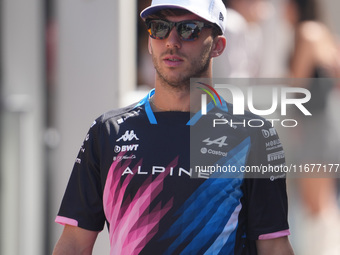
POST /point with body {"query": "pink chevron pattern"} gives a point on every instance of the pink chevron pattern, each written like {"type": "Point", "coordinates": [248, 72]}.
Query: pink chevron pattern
{"type": "Point", "coordinates": [132, 224]}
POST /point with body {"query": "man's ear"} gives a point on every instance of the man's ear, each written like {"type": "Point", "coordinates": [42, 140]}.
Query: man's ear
{"type": "Point", "coordinates": [219, 45]}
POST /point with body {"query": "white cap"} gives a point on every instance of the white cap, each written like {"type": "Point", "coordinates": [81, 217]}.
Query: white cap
{"type": "Point", "coordinates": [213, 11]}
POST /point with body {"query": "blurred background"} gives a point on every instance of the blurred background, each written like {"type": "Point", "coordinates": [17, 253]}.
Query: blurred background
{"type": "Point", "coordinates": [65, 62]}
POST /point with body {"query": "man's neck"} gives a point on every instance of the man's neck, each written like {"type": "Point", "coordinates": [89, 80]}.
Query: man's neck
{"type": "Point", "coordinates": [171, 99]}
{"type": "Point", "coordinates": [178, 97]}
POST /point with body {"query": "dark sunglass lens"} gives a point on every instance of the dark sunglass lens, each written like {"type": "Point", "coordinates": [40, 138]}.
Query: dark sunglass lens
{"type": "Point", "coordinates": [189, 31]}
{"type": "Point", "coordinates": [159, 29]}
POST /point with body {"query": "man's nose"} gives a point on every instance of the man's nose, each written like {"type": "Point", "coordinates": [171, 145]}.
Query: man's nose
{"type": "Point", "coordinates": [173, 40]}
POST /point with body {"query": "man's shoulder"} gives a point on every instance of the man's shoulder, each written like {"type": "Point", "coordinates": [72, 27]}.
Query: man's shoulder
{"type": "Point", "coordinates": [119, 114]}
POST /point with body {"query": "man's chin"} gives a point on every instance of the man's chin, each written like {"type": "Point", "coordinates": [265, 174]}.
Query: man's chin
{"type": "Point", "coordinates": [179, 83]}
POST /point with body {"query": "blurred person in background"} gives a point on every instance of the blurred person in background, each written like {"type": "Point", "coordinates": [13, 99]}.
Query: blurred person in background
{"type": "Point", "coordinates": [133, 169]}
{"type": "Point", "coordinates": [244, 53]}
{"type": "Point", "coordinates": [316, 54]}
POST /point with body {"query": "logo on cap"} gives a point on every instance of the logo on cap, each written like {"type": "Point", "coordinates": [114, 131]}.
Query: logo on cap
{"type": "Point", "coordinates": [221, 16]}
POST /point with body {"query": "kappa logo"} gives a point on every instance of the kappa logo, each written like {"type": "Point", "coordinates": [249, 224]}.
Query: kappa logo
{"type": "Point", "coordinates": [128, 136]}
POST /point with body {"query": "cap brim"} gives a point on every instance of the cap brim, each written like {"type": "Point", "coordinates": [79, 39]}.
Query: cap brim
{"type": "Point", "coordinates": [158, 7]}
{"type": "Point", "coordinates": [155, 8]}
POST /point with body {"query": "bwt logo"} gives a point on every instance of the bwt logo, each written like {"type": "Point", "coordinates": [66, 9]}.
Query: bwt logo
{"type": "Point", "coordinates": [239, 99]}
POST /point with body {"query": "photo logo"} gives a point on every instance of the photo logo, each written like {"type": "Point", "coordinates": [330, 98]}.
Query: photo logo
{"type": "Point", "coordinates": [281, 99]}
{"type": "Point", "coordinates": [262, 100]}
{"type": "Point", "coordinates": [204, 96]}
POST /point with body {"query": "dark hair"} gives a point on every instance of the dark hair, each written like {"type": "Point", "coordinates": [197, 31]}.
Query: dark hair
{"type": "Point", "coordinates": [307, 9]}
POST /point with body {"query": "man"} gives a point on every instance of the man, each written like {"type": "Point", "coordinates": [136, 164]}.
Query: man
{"type": "Point", "coordinates": [133, 170]}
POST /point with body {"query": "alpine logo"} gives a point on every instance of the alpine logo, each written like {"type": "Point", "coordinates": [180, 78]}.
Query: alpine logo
{"type": "Point", "coordinates": [128, 136]}
{"type": "Point", "coordinates": [219, 141]}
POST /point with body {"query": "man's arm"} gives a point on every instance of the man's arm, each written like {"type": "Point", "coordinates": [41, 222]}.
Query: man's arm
{"type": "Point", "coordinates": [75, 241]}
{"type": "Point", "coordinates": [276, 246]}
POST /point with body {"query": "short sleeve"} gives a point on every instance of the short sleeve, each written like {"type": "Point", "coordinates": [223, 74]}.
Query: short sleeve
{"type": "Point", "coordinates": [82, 204]}
{"type": "Point", "coordinates": [265, 195]}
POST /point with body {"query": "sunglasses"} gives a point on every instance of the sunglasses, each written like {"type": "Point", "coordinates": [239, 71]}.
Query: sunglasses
{"type": "Point", "coordinates": [188, 30]}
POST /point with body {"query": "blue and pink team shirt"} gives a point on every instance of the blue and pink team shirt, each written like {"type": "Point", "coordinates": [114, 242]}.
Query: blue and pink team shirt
{"type": "Point", "coordinates": [134, 173]}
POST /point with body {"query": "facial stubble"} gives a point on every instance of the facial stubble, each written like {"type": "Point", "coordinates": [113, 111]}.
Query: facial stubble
{"type": "Point", "coordinates": [198, 68]}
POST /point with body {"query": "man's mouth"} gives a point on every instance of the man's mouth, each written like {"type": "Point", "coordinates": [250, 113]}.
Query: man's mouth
{"type": "Point", "coordinates": [173, 59]}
